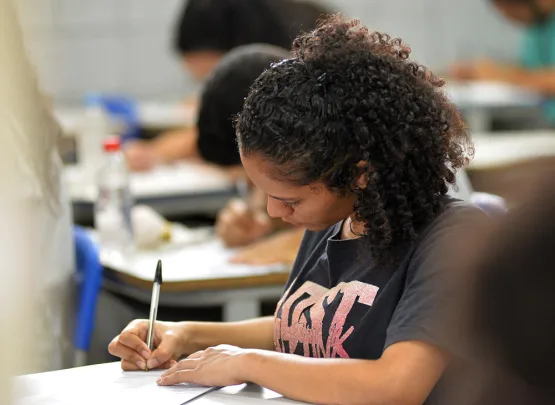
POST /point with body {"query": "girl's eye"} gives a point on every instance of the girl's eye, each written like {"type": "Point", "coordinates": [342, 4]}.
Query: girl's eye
{"type": "Point", "coordinates": [288, 204]}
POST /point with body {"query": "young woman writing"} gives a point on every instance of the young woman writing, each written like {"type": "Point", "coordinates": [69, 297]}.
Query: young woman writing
{"type": "Point", "coordinates": [352, 141]}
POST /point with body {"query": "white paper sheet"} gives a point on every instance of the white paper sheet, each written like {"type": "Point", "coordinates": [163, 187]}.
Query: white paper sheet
{"type": "Point", "coordinates": [102, 385]}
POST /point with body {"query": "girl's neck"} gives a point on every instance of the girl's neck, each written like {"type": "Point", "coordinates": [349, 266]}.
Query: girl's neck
{"type": "Point", "coordinates": [352, 229]}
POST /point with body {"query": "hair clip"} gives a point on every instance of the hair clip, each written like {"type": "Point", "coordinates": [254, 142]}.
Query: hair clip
{"type": "Point", "coordinates": [323, 81]}
{"type": "Point", "coordinates": [283, 62]}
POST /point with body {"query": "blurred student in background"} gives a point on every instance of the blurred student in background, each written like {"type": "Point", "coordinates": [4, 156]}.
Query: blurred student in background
{"type": "Point", "coordinates": [205, 32]}
{"type": "Point", "coordinates": [536, 69]}
{"type": "Point", "coordinates": [241, 222]}
{"type": "Point", "coordinates": [208, 29]}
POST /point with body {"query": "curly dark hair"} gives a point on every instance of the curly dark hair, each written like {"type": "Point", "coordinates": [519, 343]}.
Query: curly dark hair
{"type": "Point", "coordinates": [349, 95]}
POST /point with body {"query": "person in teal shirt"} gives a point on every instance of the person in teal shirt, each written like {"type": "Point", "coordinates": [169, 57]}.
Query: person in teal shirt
{"type": "Point", "coordinates": [536, 69]}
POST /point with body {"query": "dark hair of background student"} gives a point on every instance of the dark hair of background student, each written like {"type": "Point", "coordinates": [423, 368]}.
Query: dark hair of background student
{"type": "Point", "coordinates": [526, 12]}
{"type": "Point", "coordinates": [221, 25]}
{"type": "Point", "coordinates": [349, 96]}
{"type": "Point", "coordinates": [223, 96]}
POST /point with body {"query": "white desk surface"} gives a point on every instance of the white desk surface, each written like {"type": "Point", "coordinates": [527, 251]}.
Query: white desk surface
{"type": "Point", "coordinates": [484, 95]}
{"type": "Point", "coordinates": [464, 94]}
{"type": "Point", "coordinates": [208, 260]}
{"type": "Point", "coordinates": [185, 178]}
{"type": "Point", "coordinates": [162, 115]}
{"type": "Point", "coordinates": [196, 274]}
{"type": "Point", "coordinates": [151, 114]}
{"type": "Point", "coordinates": [244, 395]}
{"type": "Point", "coordinates": [500, 149]}
{"type": "Point", "coordinates": [107, 383]}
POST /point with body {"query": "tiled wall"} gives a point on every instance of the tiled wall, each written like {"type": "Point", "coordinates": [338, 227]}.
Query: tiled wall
{"type": "Point", "coordinates": [124, 45]}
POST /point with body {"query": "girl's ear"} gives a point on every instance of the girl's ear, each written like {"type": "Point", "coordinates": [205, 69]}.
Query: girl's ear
{"type": "Point", "coordinates": [363, 169]}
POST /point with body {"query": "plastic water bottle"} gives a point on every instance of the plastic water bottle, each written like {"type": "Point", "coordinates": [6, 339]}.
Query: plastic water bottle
{"type": "Point", "coordinates": [114, 202]}
{"type": "Point", "coordinates": [94, 127]}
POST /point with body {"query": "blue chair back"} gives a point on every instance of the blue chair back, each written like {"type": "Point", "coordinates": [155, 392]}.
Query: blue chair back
{"type": "Point", "coordinates": [88, 283]}
{"type": "Point", "coordinates": [121, 108]}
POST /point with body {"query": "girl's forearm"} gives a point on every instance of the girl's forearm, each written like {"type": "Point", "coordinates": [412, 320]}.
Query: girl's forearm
{"type": "Point", "coordinates": [252, 334]}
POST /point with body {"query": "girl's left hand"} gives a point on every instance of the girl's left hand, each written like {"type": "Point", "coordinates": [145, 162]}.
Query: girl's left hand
{"type": "Point", "coordinates": [214, 367]}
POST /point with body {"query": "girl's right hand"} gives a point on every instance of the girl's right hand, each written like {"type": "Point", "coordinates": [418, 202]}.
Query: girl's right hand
{"type": "Point", "coordinates": [130, 346]}
{"type": "Point", "coordinates": [237, 225]}
{"type": "Point", "coordinates": [141, 156]}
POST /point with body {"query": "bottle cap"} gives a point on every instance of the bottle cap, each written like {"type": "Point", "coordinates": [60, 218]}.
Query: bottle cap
{"type": "Point", "coordinates": [111, 144]}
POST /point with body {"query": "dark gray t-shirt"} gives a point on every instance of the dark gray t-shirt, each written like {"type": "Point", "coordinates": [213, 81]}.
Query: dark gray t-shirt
{"type": "Point", "coordinates": [339, 303]}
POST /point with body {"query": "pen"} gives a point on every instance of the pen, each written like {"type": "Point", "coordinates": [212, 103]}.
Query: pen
{"type": "Point", "coordinates": [242, 188]}
{"type": "Point", "coordinates": [154, 306]}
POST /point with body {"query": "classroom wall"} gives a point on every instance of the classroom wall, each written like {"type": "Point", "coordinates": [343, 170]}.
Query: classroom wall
{"type": "Point", "coordinates": [124, 45]}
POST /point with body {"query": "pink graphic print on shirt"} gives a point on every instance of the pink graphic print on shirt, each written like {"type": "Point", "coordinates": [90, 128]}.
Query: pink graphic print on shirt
{"type": "Point", "coordinates": [311, 337]}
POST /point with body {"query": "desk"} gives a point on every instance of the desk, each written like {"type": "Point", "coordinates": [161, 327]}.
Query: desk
{"type": "Point", "coordinates": [196, 275]}
{"type": "Point", "coordinates": [505, 163]}
{"type": "Point", "coordinates": [239, 297]}
{"type": "Point", "coordinates": [159, 115]}
{"type": "Point", "coordinates": [480, 101]}
{"type": "Point", "coordinates": [501, 149]}
{"type": "Point", "coordinates": [245, 395]}
{"type": "Point", "coordinates": [152, 115]}
{"type": "Point", "coordinates": [77, 386]}
{"type": "Point", "coordinates": [180, 189]}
